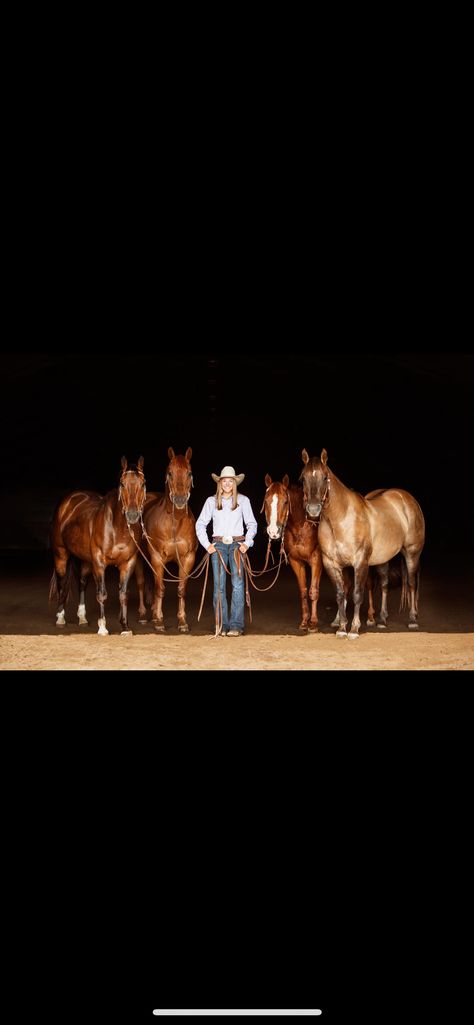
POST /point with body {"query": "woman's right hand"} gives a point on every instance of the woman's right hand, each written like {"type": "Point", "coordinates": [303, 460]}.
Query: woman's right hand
{"type": "Point", "coordinates": [212, 549]}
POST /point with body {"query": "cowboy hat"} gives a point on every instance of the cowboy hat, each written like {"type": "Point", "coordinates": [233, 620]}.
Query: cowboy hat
{"type": "Point", "coordinates": [229, 471]}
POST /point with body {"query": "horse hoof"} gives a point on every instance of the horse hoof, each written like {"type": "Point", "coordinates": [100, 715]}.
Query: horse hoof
{"type": "Point", "coordinates": [143, 621]}
{"type": "Point", "coordinates": [381, 626]}
{"type": "Point", "coordinates": [353, 637]}
{"type": "Point", "coordinates": [183, 628]}
{"type": "Point", "coordinates": [126, 633]}
{"type": "Point", "coordinates": [303, 629]}
{"type": "Point", "coordinates": [159, 627]}
{"type": "Point", "coordinates": [341, 633]}
{"type": "Point", "coordinates": [103, 632]}
{"type": "Point", "coordinates": [313, 629]}
{"type": "Point", "coordinates": [83, 622]}
{"type": "Point", "coordinates": [413, 626]}
{"type": "Point", "coordinates": [371, 622]}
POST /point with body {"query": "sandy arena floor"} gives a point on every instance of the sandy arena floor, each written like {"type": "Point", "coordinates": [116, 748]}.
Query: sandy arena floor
{"type": "Point", "coordinates": [29, 638]}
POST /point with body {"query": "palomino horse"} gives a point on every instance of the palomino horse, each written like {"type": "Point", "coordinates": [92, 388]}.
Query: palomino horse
{"type": "Point", "coordinates": [171, 536]}
{"type": "Point", "coordinates": [286, 521]}
{"type": "Point", "coordinates": [362, 532]}
{"type": "Point", "coordinates": [101, 532]}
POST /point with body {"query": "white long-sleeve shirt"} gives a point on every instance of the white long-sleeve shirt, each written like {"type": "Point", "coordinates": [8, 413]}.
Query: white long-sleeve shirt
{"type": "Point", "coordinates": [226, 522]}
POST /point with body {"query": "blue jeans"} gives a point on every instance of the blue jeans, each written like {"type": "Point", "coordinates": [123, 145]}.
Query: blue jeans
{"type": "Point", "coordinates": [237, 605]}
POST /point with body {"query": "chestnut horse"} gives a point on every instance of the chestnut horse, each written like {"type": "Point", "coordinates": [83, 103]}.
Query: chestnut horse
{"type": "Point", "coordinates": [286, 521]}
{"type": "Point", "coordinates": [101, 532]}
{"type": "Point", "coordinates": [171, 536]}
{"type": "Point", "coordinates": [362, 532]}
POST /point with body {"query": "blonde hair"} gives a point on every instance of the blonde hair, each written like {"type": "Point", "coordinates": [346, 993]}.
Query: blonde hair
{"type": "Point", "coordinates": [234, 495]}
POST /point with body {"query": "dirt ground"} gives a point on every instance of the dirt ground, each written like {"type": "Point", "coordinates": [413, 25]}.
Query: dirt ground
{"type": "Point", "coordinates": [30, 640]}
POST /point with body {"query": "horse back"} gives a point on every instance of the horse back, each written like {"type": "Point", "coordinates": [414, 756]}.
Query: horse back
{"type": "Point", "coordinates": [73, 522]}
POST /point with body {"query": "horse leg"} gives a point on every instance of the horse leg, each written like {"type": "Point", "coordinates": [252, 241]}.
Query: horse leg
{"type": "Point", "coordinates": [126, 571]}
{"type": "Point", "coordinates": [316, 570]}
{"type": "Point", "coordinates": [61, 583]}
{"type": "Point", "coordinates": [185, 568]}
{"type": "Point", "coordinates": [140, 577]}
{"type": "Point", "coordinates": [360, 576]}
{"type": "Point", "coordinates": [86, 570]}
{"type": "Point", "coordinates": [412, 560]}
{"type": "Point", "coordinates": [371, 608]}
{"type": "Point", "coordinates": [101, 595]}
{"type": "Point", "coordinates": [347, 587]}
{"type": "Point", "coordinates": [383, 574]}
{"type": "Point", "coordinates": [299, 569]}
{"type": "Point", "coordinates": [157, 607]}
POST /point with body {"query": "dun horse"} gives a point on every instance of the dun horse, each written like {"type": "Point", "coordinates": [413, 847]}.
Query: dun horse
{"type": "Point", "coordinates": [100, 532]}
{"type": "Point", "coordinates": [171, 536]}
{"type": "Point", "coordinates": [286, 521]}
{"type": "Point", "coordinates": [362, 532]}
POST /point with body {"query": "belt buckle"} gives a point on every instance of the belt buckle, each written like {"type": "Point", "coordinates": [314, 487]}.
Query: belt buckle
{"type": "Point", "coordinates": [227, 540]}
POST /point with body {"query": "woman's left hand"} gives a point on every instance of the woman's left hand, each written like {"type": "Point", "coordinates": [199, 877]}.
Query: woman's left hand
{"type": "Point", "coordinates": [243, 548]}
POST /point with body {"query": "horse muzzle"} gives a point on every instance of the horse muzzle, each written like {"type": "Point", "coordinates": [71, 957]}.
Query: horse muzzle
{"type": "Point", "coordinates": [274, 534]}
{"type": "Point", "coordinates": [180, 501]}
{"type": "Point", "coordinates": [314, 509]}
{"type": "Point", "coordinates": [132, 516]}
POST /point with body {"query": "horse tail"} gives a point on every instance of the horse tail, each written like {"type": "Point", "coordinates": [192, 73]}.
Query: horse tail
{"type": "Point", "coordinates": [417, 588]}
{"type": "Point", "coordinates": [53, 584]}
{"type": "Point", "coordinates": [404, 594]}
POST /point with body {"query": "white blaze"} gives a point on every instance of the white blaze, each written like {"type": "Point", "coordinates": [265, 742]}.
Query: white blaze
{"type": "Point", "coordinates": [272, 526]}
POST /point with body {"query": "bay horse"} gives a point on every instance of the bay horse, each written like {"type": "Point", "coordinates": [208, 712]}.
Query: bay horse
{"type": "Point", "coordinates": [286, 521]}
{"type": "Point", "coordinates": [360, 532]}
{"type": "Point", "coordinates": [171, 537]}
{"type": "Point", "coordinates": [100, 531]}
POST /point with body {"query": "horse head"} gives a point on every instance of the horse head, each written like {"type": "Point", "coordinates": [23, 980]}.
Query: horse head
{"type": "Point", "coordinates": [179, 478]}
{"type": "Point", "coordinates": [316, 482]}
{"type": "Point", "coordinates": [132, 490]}
{"type": "Point", "coordinates": [276, 506]}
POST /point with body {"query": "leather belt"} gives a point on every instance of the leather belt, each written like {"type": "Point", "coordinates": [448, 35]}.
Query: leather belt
{"type": "Point", "coordinates": [228, 540]}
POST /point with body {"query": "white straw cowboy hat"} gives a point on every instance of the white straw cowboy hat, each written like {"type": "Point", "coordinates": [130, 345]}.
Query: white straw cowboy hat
{"type": "Point", "coordinates": [229, 471]}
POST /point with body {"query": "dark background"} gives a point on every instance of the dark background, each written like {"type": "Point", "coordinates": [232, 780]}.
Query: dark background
{"type": "Point", "coordinates": [386, 420]}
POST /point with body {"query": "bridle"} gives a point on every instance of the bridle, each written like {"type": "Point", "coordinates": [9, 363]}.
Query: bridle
{"type": "Point", "coordinates": [325, 498]}
{"type": "Point", "coordinates": [125, 508]}
{"type": "Point", "coordinates": [282, 525]}
{"type": "Point", "coordinates": [171, 494]}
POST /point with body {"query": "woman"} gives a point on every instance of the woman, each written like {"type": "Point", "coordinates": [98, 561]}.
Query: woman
{"type": "Point", "coordinates": [229, 511]}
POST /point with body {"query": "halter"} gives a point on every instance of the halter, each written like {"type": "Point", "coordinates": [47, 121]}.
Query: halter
{"type": "Point", "coordinates": [283, 525]}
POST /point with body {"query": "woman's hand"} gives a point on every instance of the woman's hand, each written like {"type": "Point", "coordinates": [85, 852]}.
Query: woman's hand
{"type": "Point", "coordinates": [243, 548]}
{"type": "Point", "coordinates": [212, 549]}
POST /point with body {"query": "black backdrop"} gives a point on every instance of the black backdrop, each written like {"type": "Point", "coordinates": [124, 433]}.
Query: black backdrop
{"type": "Point", "coordinates": [386, 420]}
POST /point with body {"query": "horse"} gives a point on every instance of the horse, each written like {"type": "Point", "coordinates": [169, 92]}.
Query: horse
{"type": "Point", "coordinates": [171, 537]}
{"type": "Point", "coordinates": [361, 532]}
{"type": "Point", "coordinates": [101, 531]}
{"type": "Point", "coordinates": [286, 521]}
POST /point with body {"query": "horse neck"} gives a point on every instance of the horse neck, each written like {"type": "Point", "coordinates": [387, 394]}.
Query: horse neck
{"type": "Point", "coordinates": [338, 496]}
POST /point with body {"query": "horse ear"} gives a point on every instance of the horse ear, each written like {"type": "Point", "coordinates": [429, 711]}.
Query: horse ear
{"type": "Point", "coordinates": [324, 457]}
{"type": "Point", "coordinates": [286, 480]}
{"type": "Point", "coordinates": [124, 463]}
{"type": "Point", "coordinates": [268, 480]}
{"type": "Point", "coordinates": [305, 456]}
{"type": "Point", "coordinates": [170, 453]}
{"type": "Point", "coordinates": [140, 463]}
{"type": "Point", "coordinates": [189, 454]}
